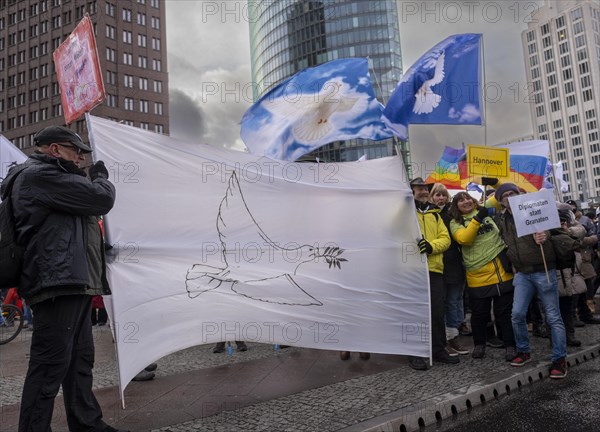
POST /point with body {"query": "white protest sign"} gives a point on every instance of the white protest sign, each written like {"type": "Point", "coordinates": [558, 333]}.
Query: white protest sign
{"type": "Point", "coordinates": [534, 212]}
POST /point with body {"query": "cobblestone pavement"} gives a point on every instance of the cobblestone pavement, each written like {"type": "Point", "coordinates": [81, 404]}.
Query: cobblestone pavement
{"type": "Point", "coordinates": [346, 403]}
{"type": "Point", "coordinates": [327, 408]}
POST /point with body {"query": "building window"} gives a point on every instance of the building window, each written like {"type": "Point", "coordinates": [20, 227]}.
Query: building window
{"type": "Point", "coordinates": [128, 81]}
{"type": "Point", "coordinates": [539, 111]}
{"type": "Point", "coordinates": [158, 128]}
{"type": "Point", "coordinates": [156, 44]}
{"type": "Point", "coordinates": [143, 83]}
{"type": "Point", "coordinates": [111, 32]}
{"type": "Point", "coordinates": [143, 106]}
{"type": "Point", "coordinates": [142, 40]}
{"type": "Point", "coordinates": [56, 22]}
{"type": "Point", "coordinates": [576, 15]}
{"type": "Point", "coordinates": [156, 65]}
{"type": "Point", "coordinates": [141, 19]}
{"type": "Point", "coordinates": [156, 23]}
{"type": "Point", "coordinates": [127, 59]}
{"type": "Point", "coordinates": [143, 62]}
{"type": "Point", "coordinates": [111, 100]}
{"type": "Point", "coordinates": [530, 36]}
{"type": "Point", "coordinates": [111, 55]}
{"type": "Point", "coordinates": [127, 36]}
{"type": "Point", "coordinates": [155, 4]}
{"type": "Point", "coordinates": [571, 100]}
{"type": "Point", "coordinates": [158, 108]}
{"type": "Point", "coordinates": [128, 104]}
{"type": "Point", "coordinates": [585, 81]}
{"type": "Point", "coordinates": [126, 15]}
{"type": "Point", "coordinates": [110, 9]}
{"type": "Point", "coordinates": [157, 86]}
{"type": "Point", "coordinates": [587, 95]}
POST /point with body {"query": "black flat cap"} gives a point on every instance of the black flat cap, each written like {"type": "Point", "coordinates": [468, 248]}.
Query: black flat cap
{"type": "Point", "coordinates": [58, 134]}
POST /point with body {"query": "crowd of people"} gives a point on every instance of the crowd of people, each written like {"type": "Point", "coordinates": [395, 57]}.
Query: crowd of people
{"type": "Point", "coordinates": [474, 253]}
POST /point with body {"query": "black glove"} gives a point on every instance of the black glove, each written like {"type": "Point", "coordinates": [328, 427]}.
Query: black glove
{"type": "Point", "coordinates": [489, 181]}
{"type": "Point", "coordinates": [424, 246]}
{"type": "Point", "coordinates": [98, 170]}
{"type": "Point", "coordinates": [483, 212]}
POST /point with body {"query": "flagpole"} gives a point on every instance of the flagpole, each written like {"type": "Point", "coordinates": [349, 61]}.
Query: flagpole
{"type": "Point", "coordinates": [394, 138]}
{"type": "Point", "coordinates": [482, 92]}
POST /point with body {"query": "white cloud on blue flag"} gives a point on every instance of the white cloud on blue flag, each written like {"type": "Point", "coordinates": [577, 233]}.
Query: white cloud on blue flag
{"type": "Point", "coordinates": [331, 102]}
{"type": "Point", "coordinates": [442, 87]}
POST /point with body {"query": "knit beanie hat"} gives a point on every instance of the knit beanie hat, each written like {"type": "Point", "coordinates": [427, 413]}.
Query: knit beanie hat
{"type": "Point", "coordinates": [503, 188]}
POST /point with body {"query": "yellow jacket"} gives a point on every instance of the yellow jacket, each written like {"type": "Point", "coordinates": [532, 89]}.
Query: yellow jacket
{"type": "Point", "coordinates": [480, 253]}
{"type": "Point", "coordinates": [435, 232]}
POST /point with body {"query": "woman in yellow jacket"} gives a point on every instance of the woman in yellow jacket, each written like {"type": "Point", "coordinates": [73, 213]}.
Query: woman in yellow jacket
{"type": "Point", "coordinates": [489, 276]}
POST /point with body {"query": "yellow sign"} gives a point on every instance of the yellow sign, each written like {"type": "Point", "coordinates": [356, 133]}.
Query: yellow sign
{"type": "Point", "coordinates": [488, 161]}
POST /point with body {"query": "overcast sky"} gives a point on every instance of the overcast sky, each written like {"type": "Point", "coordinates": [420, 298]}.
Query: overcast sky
{"type": "Point", "coordinates": [210, 74]}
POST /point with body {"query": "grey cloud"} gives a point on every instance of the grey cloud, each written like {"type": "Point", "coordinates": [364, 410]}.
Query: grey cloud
{"type": "Point", "coordinates": [186, 117]}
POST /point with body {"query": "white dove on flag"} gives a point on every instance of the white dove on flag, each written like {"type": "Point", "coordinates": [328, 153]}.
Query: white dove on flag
{"type": "Point", "coordinates": [315, 111]}
{"type": "Point", "coordinates": [267, 272]}
{"type": "Point", "coordinates": [425, 99]}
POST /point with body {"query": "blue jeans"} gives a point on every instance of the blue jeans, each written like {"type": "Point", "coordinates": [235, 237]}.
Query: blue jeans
{"type": "Point", "coordinates": [455, 313]}
{"type": "Point", "coordinates": [526, 285]}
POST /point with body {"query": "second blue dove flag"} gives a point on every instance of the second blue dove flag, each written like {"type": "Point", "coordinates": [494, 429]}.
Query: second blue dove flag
{"type": "Point", "coordinates": [331, 102]}
{"type": "Point", "coordinates": [442, 87]}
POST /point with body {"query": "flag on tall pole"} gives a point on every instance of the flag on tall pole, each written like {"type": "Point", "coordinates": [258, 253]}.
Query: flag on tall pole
{"type": "Point", "coordinates": [441, 87]}
{"type": "Point", "coordinates": [331, 102]}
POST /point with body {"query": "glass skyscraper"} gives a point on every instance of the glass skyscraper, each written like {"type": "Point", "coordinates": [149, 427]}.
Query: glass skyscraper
{"type": "Point", "coordinates": [287, 36]}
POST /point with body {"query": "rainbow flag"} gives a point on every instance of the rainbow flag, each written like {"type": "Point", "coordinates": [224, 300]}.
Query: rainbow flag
{"type": "Point", "coordinates": [447, 169]}
{"type": "Point", "coordinates": [528, 161]}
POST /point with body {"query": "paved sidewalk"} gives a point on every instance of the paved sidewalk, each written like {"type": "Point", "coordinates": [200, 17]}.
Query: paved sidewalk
{"type": "Point", "coordinates": [287, 390]}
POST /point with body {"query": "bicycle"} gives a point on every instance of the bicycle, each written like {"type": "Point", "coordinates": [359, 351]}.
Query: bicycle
{"type": "Point", "coordinates": [11, 323]}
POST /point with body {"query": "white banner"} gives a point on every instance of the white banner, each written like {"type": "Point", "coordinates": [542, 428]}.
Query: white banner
{"type": "Point", "coordinates": [9, 155]}
{"type": "Point", "coordinates": [213, 245]}
{"type": "Point", "coordinates": [534, 212]}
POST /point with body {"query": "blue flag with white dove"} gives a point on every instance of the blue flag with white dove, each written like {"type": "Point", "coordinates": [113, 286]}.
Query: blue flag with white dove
{"type": "Point", "coordinates": [331, 102]}
{"type": "Point", "coordinates": [442, 87]}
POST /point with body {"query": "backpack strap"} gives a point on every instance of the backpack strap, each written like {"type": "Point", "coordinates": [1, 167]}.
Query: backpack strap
{"type": "Point", "coordinates": [19, 169]}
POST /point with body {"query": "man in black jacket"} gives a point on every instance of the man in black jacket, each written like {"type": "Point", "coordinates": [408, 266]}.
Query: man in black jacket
{"type": "Point", "coordinates": [56, 209]}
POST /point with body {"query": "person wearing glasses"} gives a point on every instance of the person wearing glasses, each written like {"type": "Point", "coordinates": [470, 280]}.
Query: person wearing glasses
{"type": "Point", "coordinates": [56, 208]}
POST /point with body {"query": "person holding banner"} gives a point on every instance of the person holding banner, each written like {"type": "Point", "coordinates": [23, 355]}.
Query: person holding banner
{"type": "Point", "coordinates": [534, 273]}
{"type": "Point", "coordinates": [434, 243]}
{"type": "Point", "coordinates": [56, 209]}
{"type": "Point", "coordinates": [489, 275]}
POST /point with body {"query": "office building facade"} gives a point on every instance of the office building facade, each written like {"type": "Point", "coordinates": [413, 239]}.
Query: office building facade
{"type": "Point", "coordinates": [131, 40]}
{"type": "Point", "coordinates": [562, 58]}
{"type": "Point", "coordinates": [290, 35]}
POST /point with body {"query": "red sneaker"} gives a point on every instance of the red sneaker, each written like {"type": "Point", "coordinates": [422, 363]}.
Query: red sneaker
{"type": "Point", "coordinates": [559, 368]}
{"type": "Point", "coordinates": [520, 359]}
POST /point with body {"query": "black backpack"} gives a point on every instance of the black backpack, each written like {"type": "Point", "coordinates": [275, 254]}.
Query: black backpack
{"type": "Point", "coordinates": [11, 253]}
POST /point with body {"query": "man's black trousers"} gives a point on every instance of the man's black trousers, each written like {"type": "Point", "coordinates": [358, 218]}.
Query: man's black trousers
{"type": "Point", "coordinates": [62, 353]}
